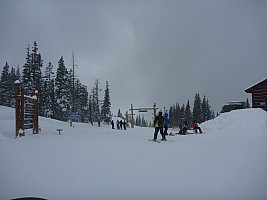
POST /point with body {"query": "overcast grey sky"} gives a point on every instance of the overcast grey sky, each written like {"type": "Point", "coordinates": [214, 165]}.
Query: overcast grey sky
{"type": "Point", "coordinates": [149, 51]}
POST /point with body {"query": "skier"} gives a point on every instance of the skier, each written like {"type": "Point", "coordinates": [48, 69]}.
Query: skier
{"type": "Point", "coordinates": [196, 127]}
{"type": "Point", "coordinates": [124, 124]}
{"type": "Point", "coordinates": [121, 124]}
{"type": "Point", "coordinates": [166, 122]}
{"type": "Point", "coordinates": [112, 124]}
{"type": "Point", "coordinates": [183, 128]}
{"type": "Point", "coordinates": [158, 122]}
{"type": "Point", "coordinates": [118, 124]}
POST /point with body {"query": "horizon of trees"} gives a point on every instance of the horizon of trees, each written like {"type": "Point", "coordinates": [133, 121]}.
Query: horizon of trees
{"type": "Point", "coordinates": [59, 92]}
{"type": "Point", "coordinates": [201, 112]}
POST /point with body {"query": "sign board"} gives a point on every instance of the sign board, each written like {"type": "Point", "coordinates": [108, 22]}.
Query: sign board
{"type": "Point", "coordinates": [142, 109]}
{"type": "Point", "coordinates": [74, 115]}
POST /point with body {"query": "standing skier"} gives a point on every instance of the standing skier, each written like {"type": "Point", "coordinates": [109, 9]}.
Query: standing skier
{"type": "Point", "coordinates": [158, 122]}
{"type": "Point", "coordinates": [196, 127]}
{"type": "Point", "coordinates": [112, 124]}
{"type": "Point", "coordinates": [166, 122]}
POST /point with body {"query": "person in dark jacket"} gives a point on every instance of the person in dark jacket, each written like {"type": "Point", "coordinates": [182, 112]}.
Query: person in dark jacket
{"type": "Point", "coordinates": [166, 123]}
{"type": "Point", "coordinates": [124, 124]}
{"type": "Point", "coordinates": [196, 127]}
{"type": "Point", "coordinates": [112, 124]}
{"type": "Point", "coordinates": [183, 128]}
{"type": "Point", "coordinates": [158, 122]}
{"type": "Point", "coordinates": [121, 125]}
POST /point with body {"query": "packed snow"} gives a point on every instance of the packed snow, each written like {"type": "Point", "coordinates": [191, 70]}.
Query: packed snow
{"type": "Point", "coordinates": [228, 162]}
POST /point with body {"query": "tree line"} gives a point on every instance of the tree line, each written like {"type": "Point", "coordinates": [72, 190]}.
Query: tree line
{"type": "Point", "coordinates": [59, 92]}
{"type": "Point", "coordinates": [201, 111]}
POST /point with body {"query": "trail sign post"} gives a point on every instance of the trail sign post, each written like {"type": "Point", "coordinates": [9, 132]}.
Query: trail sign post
{"type": "Point", "coordinates": [74, 115]}
{"type": "Point", "coordinates": [154, 108]}
{"type": "Point", "coordinates": [26, 111]}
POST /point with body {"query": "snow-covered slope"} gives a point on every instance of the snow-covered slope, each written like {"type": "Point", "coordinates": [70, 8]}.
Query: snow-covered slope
{"type": "Point", "coordinates": [89, 162]}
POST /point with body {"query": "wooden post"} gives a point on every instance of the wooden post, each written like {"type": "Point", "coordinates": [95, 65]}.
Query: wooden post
{"type": "Point", "coordinates": [154, 110]}
{"type": "Point", "coordinates": [22, 104]}
{"type": "Point", "coordinates": [18, 96]}
{"type": "Point", "coordinates": [127, 119]}
{"type": "Point", "coordinates": [35, 128]}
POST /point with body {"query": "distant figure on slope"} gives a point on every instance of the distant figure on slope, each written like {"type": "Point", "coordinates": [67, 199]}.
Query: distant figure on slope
{"type": "Point", "coordinates": [118, 124]}
{"type": "Point", "coordinates": [183, 128]}
{"type": "Point", "coordinates": [158, 122]}
{"type": "Point", "coordinates": [112, 124]}
{"type": "Point", "coordinates": [166, 123]}
{"type": "Point", "coordinates": [121, 124]}
{"type": "Point", "coordinates": [124, 124]}
{"type": "Point", "coordinates": [196, 127]}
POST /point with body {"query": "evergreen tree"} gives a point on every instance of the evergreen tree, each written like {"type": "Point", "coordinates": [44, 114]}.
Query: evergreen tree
{"type": "Point", "coordinates": [197, 116]}
{"type": "Point", "coordinates": [81, 100]}
{"type": "Point", "coordinates": [119, 113]}
{"type": "Point", "coordinates": [105, 110]}
{"type": "Point", "coordinates": [62, 91]}
{"type": "Point", "coordinates": [26, 72]}
{"type": "Point", "coordinates": [49, 99]}
{"type": "Point", "coordinates": [11, 94]}
{"type": "Point", "coordinates": [36, 73]}
{"type": "Point", "coordinates": [95, 102]}
{"type": "Point", "coordinates": [187, 113]}
{"type": "Point", "coordinates": [182, 113]}
{"type": "Point", "coordinates": [32, 71]}
{"type": "Point", "coordinates": [18, 75]}
{"type": "Point", "coordinates": [204, 110]}
{"type": "Point", "coordinates": [171, 116]}
{"type": "Point", "coordinates": [5, 86]}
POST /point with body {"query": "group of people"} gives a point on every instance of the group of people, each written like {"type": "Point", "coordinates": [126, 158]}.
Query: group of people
{"type": "Point", "coordinates": [120, 124]}
{"type": "Point", "coordinates": [161, 124]}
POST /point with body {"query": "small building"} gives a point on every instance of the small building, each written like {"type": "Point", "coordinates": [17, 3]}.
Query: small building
{"type": "Point", "coordinates": [233, 105]}
{"type": "Point", "coordinates": [259, 94]}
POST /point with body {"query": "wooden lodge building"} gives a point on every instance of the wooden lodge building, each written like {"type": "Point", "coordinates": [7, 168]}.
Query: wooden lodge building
{"type": "Point", "coordinates": [259, 94]}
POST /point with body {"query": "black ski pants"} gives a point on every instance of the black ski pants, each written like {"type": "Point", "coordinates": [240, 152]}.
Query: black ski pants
{"type": "Point", "coordinates": [157, 130]}
{"type": "Point", "coordinates": [166, 130]}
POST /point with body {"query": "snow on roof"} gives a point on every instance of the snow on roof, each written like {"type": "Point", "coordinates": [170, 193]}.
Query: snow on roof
{"type": "Point", "coordinates": [249, 88]}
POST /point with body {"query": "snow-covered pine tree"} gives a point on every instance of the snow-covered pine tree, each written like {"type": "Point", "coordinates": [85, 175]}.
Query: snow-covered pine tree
{"type": "Point", "coordinates": [31, 74]}
{"type": "Point", "coordinates": [49, 100]}
{"type": "Point", "coordinates": [36, 72]}
{"type": "Point", "coordinates": [12, 79]}
{"type": "Point", "coordinates": [62, 91]}
{"type": "Point", "coordinates": [26, 72]}
{"type": "Point", "coordinates": [81, 100]}
{"type": "Point", "coordinates": [95, 102]}
{"type": "Point", "coordinates": [4, 86]}
{"type": "Point", "coordinates": [105, 110]}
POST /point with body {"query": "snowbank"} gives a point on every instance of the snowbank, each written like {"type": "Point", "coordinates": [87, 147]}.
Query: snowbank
{"type": "Point", "coordinates": [245, 120]}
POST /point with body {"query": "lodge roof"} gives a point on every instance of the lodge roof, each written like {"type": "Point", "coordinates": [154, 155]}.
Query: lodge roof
{"type": "Point", "coordinates": [251, 88]}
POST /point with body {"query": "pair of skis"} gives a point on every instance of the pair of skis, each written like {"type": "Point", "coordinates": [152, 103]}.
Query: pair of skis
{"type": "Point", "coordinates": [157, 141]}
